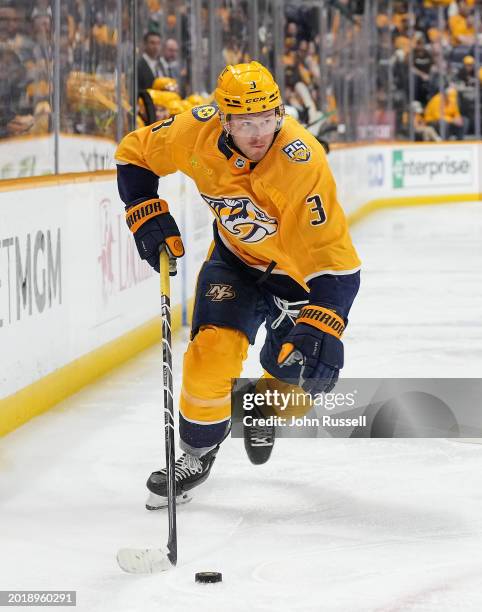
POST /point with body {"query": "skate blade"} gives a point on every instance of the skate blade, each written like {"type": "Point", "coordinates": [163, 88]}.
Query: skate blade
{"type": "Point", "coordinates": [158, 502]}
{"type": "Point", "coordinates": [143, 560]}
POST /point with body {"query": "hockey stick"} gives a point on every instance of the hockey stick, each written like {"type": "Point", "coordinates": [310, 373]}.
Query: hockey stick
{"type": "Point", "coordinates": [168, 403]}
{"type": "Point", "coordinates": [153, 560]}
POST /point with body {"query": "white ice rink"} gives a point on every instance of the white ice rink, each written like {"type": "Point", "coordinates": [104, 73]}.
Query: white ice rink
{"type": "Point", "coordinates": [329, 525]}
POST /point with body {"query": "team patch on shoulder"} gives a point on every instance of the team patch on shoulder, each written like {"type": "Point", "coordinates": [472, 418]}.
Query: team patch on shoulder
{"type": "Point", "coordinates": [204, 112]}
{"type": "Point", "coordinates": [297, 151]}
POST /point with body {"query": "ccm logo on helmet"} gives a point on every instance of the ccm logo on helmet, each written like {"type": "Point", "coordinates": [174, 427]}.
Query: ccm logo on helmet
{"type": "Point", "coordinates": [251, 100]}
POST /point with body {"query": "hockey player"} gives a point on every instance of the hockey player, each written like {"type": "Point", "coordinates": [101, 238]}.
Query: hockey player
{"type": "Point", "coordinates": [281, 253]}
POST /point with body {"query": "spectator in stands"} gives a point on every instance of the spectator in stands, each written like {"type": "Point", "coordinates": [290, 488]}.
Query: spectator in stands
{"type": "Point", "coordinates": [439, 71]}
{"type": "Point", "coordinates": [170, 26]}
{"type": "Point", "coordinates": [401, 34]}
{"type": "Point", "coordinates": [171, 65]}
{"type": "Point", "coordinates": [428, 13]}
{"type": "Point", "coordinates": [152, 14]}
{"type": "Point", "coordinates": [443, 114]}
{"type": "Point", "coordinates": [290, 63]}
{"type": "Point", "coordinates": [461, 25]}
{"type": "Point", "coordinates": [384, 53]}
{"type": "Point", "coordinates": [41, 7]}
{"type": "Point", "coordinates": [169, 60]}
{"type": "Point", "coordinates": [313, 60]}
{"type": "Point", "coordinates": [103, 33]}
{"type": "Point", "coordinates": [422, 131]}
{"type": "Point", "coordinates": [8, 17]}
{"type": "Point", "coordinates": [400, 10]}
{"type": "Point", "coordinates": [466, 74]}
{"type": "Point", "coordinates": [41, 68]}
{"type": "Point", "coordinates": [401, 72]}
{"type": "Point", "coordinates": [291, 35]}
{"type": "Point", "coordinates": [266, 46]}
{"type": "Point", "coordinates": [422, 64]}
{"type": "Point", "coordinates": [238, 25]}
{"type": "Point", "coordinates": [466, 82]}
{"type": "Point", "coordinates": [12, 80]}
{"type": "Point", "coordinates": [148, 66]}
{"type": "Point", "coordinates": [303, 67]}
{"type": "Point", "coordinates": [232, 52]}
{"type": "Point", "coordinates": [10, 33]}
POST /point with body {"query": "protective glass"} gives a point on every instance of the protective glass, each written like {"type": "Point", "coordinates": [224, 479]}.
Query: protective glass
{"type": "Point", "coordinates": [252, 124]}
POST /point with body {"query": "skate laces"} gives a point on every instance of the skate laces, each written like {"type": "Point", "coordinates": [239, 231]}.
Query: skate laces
{"type": "Point", "coordinates": [187, 465]}
{"type": "Point", "coordinates": [261, 436]}
{"type": "Point", "coordinates": [288, 309]}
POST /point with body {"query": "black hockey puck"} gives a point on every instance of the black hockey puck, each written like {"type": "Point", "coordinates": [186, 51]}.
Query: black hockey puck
{"type": "Point", "coordinates": [208, 577]}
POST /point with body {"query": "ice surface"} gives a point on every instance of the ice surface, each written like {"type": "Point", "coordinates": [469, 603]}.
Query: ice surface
{"type": "Point", "coordinates": [329, 525]}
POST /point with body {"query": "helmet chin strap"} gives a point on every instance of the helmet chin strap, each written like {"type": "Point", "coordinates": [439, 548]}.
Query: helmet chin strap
{"type": "Point", "coordinates": [232, 145]}
{"type": "Point", "coordinates": [224, 122]}
{"type": "Point", "coordinates": [280, 115]}
{"type": "Point", "coordinates": [229, 138]}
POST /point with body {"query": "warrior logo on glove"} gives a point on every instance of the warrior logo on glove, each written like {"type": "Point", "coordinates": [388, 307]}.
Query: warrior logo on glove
{"type": "Point", "coordinates": [241, 217]}
{"type": "Point", "coordinates": [315, 342]}
{"type": "Point", "coordinates": [138, 215]}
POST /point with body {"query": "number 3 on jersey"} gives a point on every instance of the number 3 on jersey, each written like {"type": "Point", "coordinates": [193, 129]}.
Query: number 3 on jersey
{"type": "Point", "coordinates": [318, 216]}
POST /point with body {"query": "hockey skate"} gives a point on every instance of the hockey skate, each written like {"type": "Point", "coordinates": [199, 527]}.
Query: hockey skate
{"type": "Point", "coordinates": [190, 472]}
{"type": "Point", "coordinates": [259, 440]}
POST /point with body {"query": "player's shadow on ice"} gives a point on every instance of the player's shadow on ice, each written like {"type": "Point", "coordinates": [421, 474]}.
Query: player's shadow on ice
{"type": "Point", "coordinates": [294, 503]}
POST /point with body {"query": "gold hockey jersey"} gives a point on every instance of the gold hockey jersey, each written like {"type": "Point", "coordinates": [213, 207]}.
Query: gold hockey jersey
{"type": "Point", "coordinates": [283, 209]}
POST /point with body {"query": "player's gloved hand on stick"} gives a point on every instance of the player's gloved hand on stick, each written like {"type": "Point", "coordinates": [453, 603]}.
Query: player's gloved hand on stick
{"type": "Point", "coordinates": [153, 227]}
{"type": "Point", "coordinates": [315, 342]}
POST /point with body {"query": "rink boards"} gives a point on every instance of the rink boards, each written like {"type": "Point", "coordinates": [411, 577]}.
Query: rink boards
{"type": "Point", "coordinates": [76, 301]}
{"type": "Point", "coordinates": [392, 175]}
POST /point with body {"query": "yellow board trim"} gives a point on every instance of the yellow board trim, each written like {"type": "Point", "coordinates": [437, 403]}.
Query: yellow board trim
{"type": "Point", "coordinates": [429, 200]}
{"type": "Point", "coordinates": [40, 396]}
{"type": "Point", "coordinates": [53, 180]}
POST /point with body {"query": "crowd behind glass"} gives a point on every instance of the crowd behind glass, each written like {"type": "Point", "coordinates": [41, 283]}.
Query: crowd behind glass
{"type": "Point", "coordinates": [369, 70]}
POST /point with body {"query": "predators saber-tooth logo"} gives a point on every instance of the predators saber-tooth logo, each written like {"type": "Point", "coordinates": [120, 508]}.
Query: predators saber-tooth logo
{"type": "Point", "coordinates": [219, 292]}
{"type": "Point", "coordinates": [240, 216]}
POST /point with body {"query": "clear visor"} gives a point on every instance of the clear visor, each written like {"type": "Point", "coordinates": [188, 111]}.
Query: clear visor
{"type": "Point", "coordinates": [255, 124]}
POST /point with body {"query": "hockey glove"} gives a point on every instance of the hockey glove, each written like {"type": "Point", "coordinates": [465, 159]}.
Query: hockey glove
{"type": "Point", "coordinates": [153, 227]}
{"type": "Point", "coordinates": [315, 342]}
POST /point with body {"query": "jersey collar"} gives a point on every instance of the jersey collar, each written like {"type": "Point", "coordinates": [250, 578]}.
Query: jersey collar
{"type": "Point", "coordinates": [238, 163]}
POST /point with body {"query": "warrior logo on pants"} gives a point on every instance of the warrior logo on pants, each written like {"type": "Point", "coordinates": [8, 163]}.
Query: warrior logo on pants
{"type": "Point", "coordinates": [243, 218]}
{"type": "Point", "coordinates": [219, 292]}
